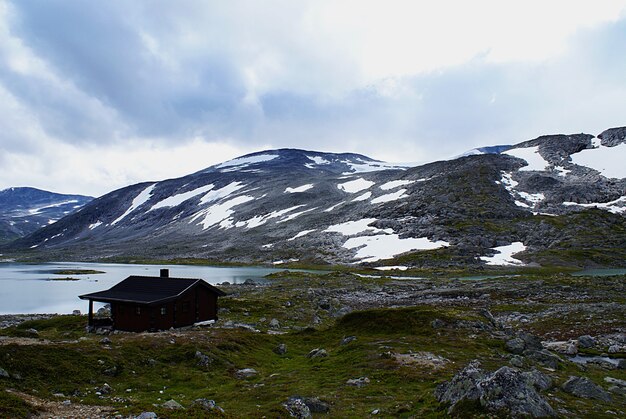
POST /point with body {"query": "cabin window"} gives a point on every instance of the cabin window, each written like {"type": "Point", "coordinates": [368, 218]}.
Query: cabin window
{"type": "Point", "coordinates": [138, 311]}
{"type": "Point", "coordinates": [163, 311]}
{"type": "Point", "coordinates": [185, 306]}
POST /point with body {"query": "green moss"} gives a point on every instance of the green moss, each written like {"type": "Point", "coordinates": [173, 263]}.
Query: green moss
{"type": "Point", "coordinates": [12, 406]}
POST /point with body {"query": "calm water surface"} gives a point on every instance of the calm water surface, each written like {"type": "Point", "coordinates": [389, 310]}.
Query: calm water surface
{"type": "Point", "coordinates": [26, 288]}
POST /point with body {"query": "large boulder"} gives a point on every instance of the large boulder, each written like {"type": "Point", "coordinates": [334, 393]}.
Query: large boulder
{"type": "Point", "coordinates": [585, 388]}
{"type": "Point", "coordinates": [506, 390]}
{"type": "Point", "coordinates": [297, 408]}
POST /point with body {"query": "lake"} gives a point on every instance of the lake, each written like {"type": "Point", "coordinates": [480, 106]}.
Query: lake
{"type": "Point", "coordinates": [27, 288]}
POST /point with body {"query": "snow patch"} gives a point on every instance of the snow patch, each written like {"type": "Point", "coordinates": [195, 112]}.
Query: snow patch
{"type": "Point", "coordinates": [294, 215]}
{"type": "Point", "coordinates": [220, 213]}
{"type": "Point", "coordinates": [259, 220]}
{"type": "Point", "coordinates": [535, 198]}
{"type": "Point", "coordinates": [299, 188]}
{"type": "Point", "coordinates": [504, 255]}
{"type": "Point", "coordinates": [386, 246]}
{"type": "Point", "coordinates": [396, 183]}
{"type": "Point", "coordinates": [390, 197]}
{"type": "Point", "coordinates": [356, 185]}
{"type": "Point", "coordinates": [247, 160]}
{"type": "Point", "coordinates": [612, 206]}
{"type": "Point", "coordinates": [367, 166]}
{"type": "Point", "coordinates": [333, 207]}
{"type": "Point", "coordinates": [531, 156]}
{"type": "Point", "coordinates": [363, 197]}
{"type": "Point", "coordinates": [221, 193]}
{"type": "Point", "coordinates": [610, 161]}
{"type": "Point", "coordinates": [561, 171]}
{"type": "Point", "coordinates": [351, 228]}
{"type": "Point", "coordinates": [139, 200]}
{"type": "Point", "coordinates": [95, 225]}
{"type": "Point", "coordinates": [318, 160]}
{"type": "Point", "coordinates": [300, 234]}
{"type": "Point", "coordinates": [178, 199]}
{"type": "Point", "coordinates": [391, 268]}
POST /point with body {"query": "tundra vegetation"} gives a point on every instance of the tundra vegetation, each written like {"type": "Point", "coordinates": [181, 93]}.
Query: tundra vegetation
{"type": "Point", "coordinates": [340, 344]}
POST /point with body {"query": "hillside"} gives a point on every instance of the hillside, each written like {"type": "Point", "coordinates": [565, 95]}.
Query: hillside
{"type": "Point", "coordinates": [556, 199]}
{"type": "Point", "coordinates": [26, 210]}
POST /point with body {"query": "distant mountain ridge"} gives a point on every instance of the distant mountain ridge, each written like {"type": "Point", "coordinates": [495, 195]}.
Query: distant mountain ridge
{"type": "Point", "coordinates": [24, 210]}
{"type": "Point", "coordinates": [556, 199]}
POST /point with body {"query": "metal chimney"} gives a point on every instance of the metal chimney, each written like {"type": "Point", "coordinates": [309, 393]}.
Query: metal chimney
{"type": "Point", "coordinates": [165, 273]}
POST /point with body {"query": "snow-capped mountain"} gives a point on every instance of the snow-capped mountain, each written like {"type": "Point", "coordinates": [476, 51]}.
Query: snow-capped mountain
{"type": "Point", "coordinates": [25, 210]}
{"type": "Point", "coordinates": [554, 199]}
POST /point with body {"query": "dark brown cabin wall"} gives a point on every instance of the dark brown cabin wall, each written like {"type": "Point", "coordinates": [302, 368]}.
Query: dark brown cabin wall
{"type": "Point", "coordinates": [126, 318]}
{"type": "Point", "coordinates": [163, 321]}
{"type": "Point", "coordinates": [207, 308]}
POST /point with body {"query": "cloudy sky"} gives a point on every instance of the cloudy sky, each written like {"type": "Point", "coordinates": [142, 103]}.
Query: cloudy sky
{"type": "Point", "coordinates": [98, 95]}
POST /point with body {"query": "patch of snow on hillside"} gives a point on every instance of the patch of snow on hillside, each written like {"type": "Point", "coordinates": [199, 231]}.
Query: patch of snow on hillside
{"type": "Point", "coordinates": [390, 197]}
{"type": "Point", "coordinates": [221, 193]}
{"type": "Point", "coordinates": [247, 160]}
{"type": "Point", "coordinates": [356, 185]}
{"type": "Point", "coordinates": [318, 159]}
{"type": "Point", "coordinates": [386, 246]}
{"type": "Point", "coordinates": [367, 166]}
{"type": "Point", "coordinates": [221, 212]}
{"type": "Point", "coordinates": [299, 188]}
{"type": "Point", "coordinates": [35, 211]}
{"type": "Point", "coordinates": [532, 157]}
{"type": "Point", "coordinates": [300, 234]}
{"type": "Point", "coordinates": [139, 200]}
{"type": "Point", "coordinates": [391, 268]}
{"type": "Point", "coordinates": [535, 198]}
{"type": "Point", "coordinates": [610, 161]}
{"type": "Point", "coordinates": [508, 182]}
{"type": "Point", "coordinates": [363, 197]}
{"type": "Point", "coordinates": [333, 207]}
{"type": "Point", "coordinates": [351, 228]}
{"type": "Point", "coordinates": [294, 215]}
{"type": "Point", "coordinates": [395, 183]}
{"type": "Point", "coordinates": [95, 225]}
{"type": "Point", "coordinates": [259, 220]}
{"type": "Point", "coordinates": [561, 171]}
{"type": "Point", "coordinates": [617, 206]}
{"type": "Point", "coordinates": [504, 255]}
{"type": "Point", "coordinates": [178, 199]}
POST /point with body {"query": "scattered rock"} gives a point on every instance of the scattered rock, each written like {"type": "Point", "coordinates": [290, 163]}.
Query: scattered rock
{"type": "Point", "coordinates": [147, 415]}
{"type": "Point", "coordinates": [515, 345]}
{"type": "Point", "coordinates": [506, 390]}
{"type": "Point", "coordinates": [375, 412]}
{"type": "Point", "coordinates": [317, 353]}
{"type": "Point", "coordinates": [274, 324]}
{"type": "Point", "coordinates": [616, 381]}
{"type": "Point", "coordinates": [66, 402]}
{"type": "Point", "coordinates": [113, 371]}
{"type": "Point", "coordinates": [615, 349]}
{"type": "Point", "coordinates": [207, 405]}
{"type": "Point", "coordinates": [437, 324]}
{"type": "Point", "coordinates": [245, 373]}
{"type": "Point", "coordinates": [324, 305]}
{"type": "Point", "coordinates": [203, 360]}
{"type": "Point", "coordinates": [33, 332]}
{"type": "Point", "coordinates": [621, 364]}
{"type": "Point", "coordinates": [172, 405]}
{"type": "Point", "coordinates": [358, 382]}
{"type": "Point", "coordinates": [281, 349]}
{"type": "Point", "coordinates": [586, 341]}
{"type": "Point", "coordinates": [314, 404]}
{"type": "Point", "coordinates": [538, 379]}
{"type": "Point", "coordinates": [105, 389]}
{"type": "Point", "coordinates": [4, 373]}
{"type": "Point", "coordinates": [249, 282]}
{"type": "Point", "coordinates": [105, 341]}
{"type": "Point", "coordinates": [347, 340]}
{"type": "Point", "coordinates": [517, 361]}
{"type": "Point", "coordinates": [543, 357]}
{"type": "Point", "coordinates": [297, 408]}
{"type": "Point", "coordinates": [562, 347]}
{"type": "Point", "coordinates": [76, 313]}
{"type": "Point", "coordinates": [585, 388]}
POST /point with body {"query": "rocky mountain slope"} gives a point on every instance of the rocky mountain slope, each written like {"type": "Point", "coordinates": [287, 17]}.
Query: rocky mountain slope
{"type": "Point", "coordinates": [26, 210]}
{"type": "Point", "coordinates": [557, 199]}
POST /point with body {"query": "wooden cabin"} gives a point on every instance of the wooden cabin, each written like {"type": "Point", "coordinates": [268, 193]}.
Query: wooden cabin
{"type": "Point", "coordinates": [141, 303]}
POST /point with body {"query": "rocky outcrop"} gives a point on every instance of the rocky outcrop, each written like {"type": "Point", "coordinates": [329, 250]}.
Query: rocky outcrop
{"type": "Point", "coordinates": [584, 387]}
{"type": "Point", "coordinates": [507, 390]}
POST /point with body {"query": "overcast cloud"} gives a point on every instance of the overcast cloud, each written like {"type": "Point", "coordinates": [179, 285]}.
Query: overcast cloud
{"type": "Point", "coordinates": [96, 96]}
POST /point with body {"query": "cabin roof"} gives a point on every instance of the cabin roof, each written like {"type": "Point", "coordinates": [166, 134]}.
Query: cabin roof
{"type": "Point", "coordinates": [148, 290]}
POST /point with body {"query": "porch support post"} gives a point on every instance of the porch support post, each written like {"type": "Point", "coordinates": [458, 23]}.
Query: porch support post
{"type": "Point", "coordinates": [90, 313]}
